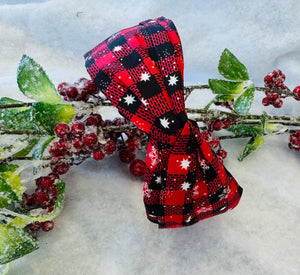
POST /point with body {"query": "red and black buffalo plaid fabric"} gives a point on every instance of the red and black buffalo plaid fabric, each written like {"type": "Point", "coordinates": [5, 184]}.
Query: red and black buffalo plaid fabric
{"type": "Point", "coordinates": [140, 70]}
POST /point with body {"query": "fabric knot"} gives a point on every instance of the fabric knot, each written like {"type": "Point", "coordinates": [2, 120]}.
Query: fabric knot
{"type": "Point", "coordinates": [140, 70]}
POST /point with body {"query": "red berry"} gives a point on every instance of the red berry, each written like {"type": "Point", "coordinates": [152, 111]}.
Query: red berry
{"type": "Point", "coordinates": [98, 118]}
{"type": "Point", "coordinates": [72, 92]}
{"type": "Point", "coordinates": [61, 130]}
{"type": "Point", "coordinates": [41, 197]}
{"type": "Point", "coordinates": [275, 74]}
{"type": "Point", "coordinates": [298, 133]}
{"type": "Point", "coordinates": [90, 87]}
{"type": "Point", "coordinates": [206, 135]}
{"type": "Point", "coordinates": [268, 79]}
{"type": "Point", "coordinates": [107, 123]}
{"type": "Point", "coordinates": [91, 121]}
{"type": "Point", "coordinates": [64, 145]}
{"type": "Point", "coordinates": [78, 129]}
{"type": "Point", "coordinates": [296, 91]}
{"type": "Point", "coordinates": [217, 125]}
{"type": "Point", "coordinates": [58, 166]}
{"type": "Point", "coordinates": [222, 154]}
{"type": "Point", "coordinates": [77, 142]}
{"type": "Point", "coordinates": [214, 143]}
{"type": "Point", "coordinates": [110, 147]}
{"type": "Point", "coordinates": [27, 199]}
{"type": "Point", "coordinates": [118, 121]}
{"type": "Point", "coordinates": [34, 226]}
{"type": "Point", "coordinates": [61, 88]}
{"type": "Point", "coordinates": [90, 139]}
{"type": "Point", "coordinates": [274, 96]}
{"type": "Point", "coordinates": [98, 154]}
{"type": "Point", "coordinates": [133, 144]}
{"type": "Point", "coordinates": [47, 226]}
{"type": "Point", "coordinates": [137, 167]}
{"type": "Point", "coordinates": [57, 148]}
{"type": "Point", "coordinates": [226, 124]}
{"type": "Point", "coordinates": [44, 183]}
{"type": "Point", "coordinates": [53, 191]}
{"type": "Point", "coordinates": [266, 101]}
{"type": "Point", "coordinates": [126, 155]}
{"type": "Point", "coordinates": [84, 96]}
{"type": "Point", "coordinates": [295, 140]}
{"type": "Point", "coordinates": [278, 103]}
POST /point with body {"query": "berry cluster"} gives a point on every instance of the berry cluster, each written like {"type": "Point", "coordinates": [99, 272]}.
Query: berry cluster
{"type": "Point", "coordinates": [214, 144]}
{"type": "Point", "coordinates": [79, 91]}
{"type": "Point", "coordinates": [85, 137]}
{"type": "Point", "coordinates": [45, 196]}
{"type": "Point", "coordinates": [274, 80]}
{"type": "Point", "coordinates": [294, 143]}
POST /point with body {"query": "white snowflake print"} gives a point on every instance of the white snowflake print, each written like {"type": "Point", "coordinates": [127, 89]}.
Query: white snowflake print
{"type": "Point", "coordinates": [158, 180]}
{"type": "Point", "coordinates": [185, 186]}
{"type": "Point", "coordinates": [164, 122]}
{"type": "Point", "coordinates": [185, 163]}
{"type": "Point", "coordinates": [145, 77]}
{"type": "Point", "coordinates": [144, 101]}
{"type": "Point", "coordinates": [117, 48]}
{"type": "Point", "coordinates": [129, 99]}
{"type": "Point", "coordinates": [173, 80]}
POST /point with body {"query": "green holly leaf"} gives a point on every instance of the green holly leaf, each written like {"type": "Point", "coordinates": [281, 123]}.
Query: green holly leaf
{"type": "Point", "coordinates": [24, 152]}
{"type": "Point", "coordinates": [14, 243]}
{"type": "Point", "coordinates": [225, 87]}
{"type": "Point", "coordinates": [219, 98]}
{"type": "Point", "coordinates": [246, 130]}
{"type": "Point", "coordinates": [47, 116]}
{"type": "Point", "coordinates": [16, 118]}
{"type": "Point", "coordinates": [231, 68]}
{"type": "Point", "coordinates": [243, 103]}
{"type": "Point", "coordinates": [5, 167]}
{"type": "Point", "coordinates": [34, 82]}
{"type": "Point", "coordinates": [22, 221]}
{"type": "Point", "coordinates": [252, 145]}
{"type": "Point", "coordinates": [11, 188]}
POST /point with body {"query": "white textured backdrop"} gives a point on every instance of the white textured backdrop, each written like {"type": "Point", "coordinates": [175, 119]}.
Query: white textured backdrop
{"type": "Point", "coordinates": [103, 228]}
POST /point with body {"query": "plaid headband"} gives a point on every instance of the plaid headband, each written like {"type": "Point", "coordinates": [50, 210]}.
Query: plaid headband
{"type": "Point", "coordinates": [140, 70]}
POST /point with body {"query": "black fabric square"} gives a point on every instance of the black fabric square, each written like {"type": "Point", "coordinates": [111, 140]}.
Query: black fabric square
{"type": "Point", "coordinates": [187, 208]}
{"type": "Point", "coordinates": [155, 209]}
{"type": "Point", "coordinates": [131, 61]}
{"type": "Point", "coordinates": [152, 29]}
{"type": "Point", "coordinates": [169, 123]}
{"type": "Point", "coordinates": [102, 80]}
{"type": "Point", "coordinates": [210, 173]}
{"type": "Point", "coordinates": [215, 197]}
{"type": "Point", "coordinates": [161, 52]}
{"type": "Point", "coordinates": [191, 178]}
{"type": "Point", "coordinates": [130, 102]}
{"type": "Point", "coordinates": [173, 83]}
{"type": "Point", "coordinates": [120, 41]}
{"type": "Point", "coordinates": [162, 145]}
{"type": "Point", "coordinates": [156, 182]}
{"type": "Point", "coordinates": [192, 145]}
{"type": "Point", "coordinates": [149, 88]}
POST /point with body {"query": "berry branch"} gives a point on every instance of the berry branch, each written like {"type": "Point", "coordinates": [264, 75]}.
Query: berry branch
{"type": "Point", "coordinates": [63, 127]}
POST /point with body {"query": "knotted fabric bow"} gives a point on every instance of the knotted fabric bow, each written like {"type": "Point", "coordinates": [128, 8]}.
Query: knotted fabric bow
{"type": "Point", "coordinates": [140, 70]}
